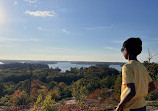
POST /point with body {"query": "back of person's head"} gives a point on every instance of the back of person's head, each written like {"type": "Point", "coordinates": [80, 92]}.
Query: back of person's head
{"type": "Point", "coordinates": [133, 46]}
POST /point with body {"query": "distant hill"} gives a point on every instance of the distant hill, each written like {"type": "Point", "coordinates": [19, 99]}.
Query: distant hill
{"type": "Point", "coordinates": [22, 66]}
{"type": "Point", "coordinates": [55, 62]}
{"type": "Point", "coordinates": [28, 61]}
{"type": "Point", "coordinates": [99, 63]}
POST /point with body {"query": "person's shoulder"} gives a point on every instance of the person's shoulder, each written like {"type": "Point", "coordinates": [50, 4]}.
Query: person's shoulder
{"type": "Point", "coordinates": [134, 65]}
{"type": "Point", "coordinates": [143, 67]}
{"type": "Point", "coordinates": [126, 66]}
{"type": "Point", "coordinates": [130, 65]}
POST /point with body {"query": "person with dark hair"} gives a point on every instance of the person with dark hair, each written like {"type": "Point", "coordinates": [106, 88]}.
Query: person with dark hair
{"type": "Point", "coordinates": [136, 82]}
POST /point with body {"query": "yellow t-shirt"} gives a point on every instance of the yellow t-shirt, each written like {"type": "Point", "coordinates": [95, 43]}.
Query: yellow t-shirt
{"type": "Point", "coordinates": [135, 72]}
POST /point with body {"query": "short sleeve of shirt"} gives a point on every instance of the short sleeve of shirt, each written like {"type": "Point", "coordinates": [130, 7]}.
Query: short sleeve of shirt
{"type": "Point", "coordinates": [127, 75]}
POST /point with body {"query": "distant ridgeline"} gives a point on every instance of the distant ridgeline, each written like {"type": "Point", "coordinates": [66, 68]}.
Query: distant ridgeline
{"type": "Point", "coordinates": [23, 66]}
{"type": "Point", "coordinates": [99, 63]}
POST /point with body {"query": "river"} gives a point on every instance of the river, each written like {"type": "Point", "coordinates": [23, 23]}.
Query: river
{"type": "Point", "coordinates": [67, 65]}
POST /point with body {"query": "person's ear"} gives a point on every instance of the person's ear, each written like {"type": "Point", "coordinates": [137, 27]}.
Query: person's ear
{"type": "Point", "coordinates": [126, 50]}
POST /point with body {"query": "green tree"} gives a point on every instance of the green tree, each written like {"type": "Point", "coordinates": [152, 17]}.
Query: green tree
{"type": "Point", "coordinates": [79, 91]}
{"type": "Point", "coordinates": [51, 85]}
{"type": "Point", "coordinates": [152, 69]}
{"type": "Point", "coordinates": [108, 82]}
{"type": "Point", "coordinates": [55, 93]}
{"type": "Point", "coordinates": [92, 83]}
{"type": "Point", "coordinates": [105, 82]}
{"type": "Point", "coordinates": [48, 104]}
{"type": "Point", "coordinates": [20, 98]}
{"type": "Point", "coordinates": [2, 88]}
{"type": "Point", "coordinates": [6, 100]}
{"type": "Point", "coordinates": [23, 85]}
{"type": "Point", "coordinates": [10, 87]}
{"type": "Point", "coordinates": [117, 87]}
{"type": "Point", "coordinates": [38, 103]}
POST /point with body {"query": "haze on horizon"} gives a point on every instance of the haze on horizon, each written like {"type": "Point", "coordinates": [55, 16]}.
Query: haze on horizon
{"type": "Point", "coordinates": [76, 30]}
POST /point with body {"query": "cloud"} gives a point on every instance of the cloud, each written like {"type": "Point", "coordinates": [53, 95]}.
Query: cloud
{"type": "Point", "coordinates": [111, 48]}
{"type": "Point", "coordinates": [41, 13]}
{"type": "Point", "coordinates": [30, 1]}
{"type": "Point", "coordinates": [40, 28]}
{"type": "Point", "coordinates": [99, 27]}
{"type": "Point", "coordinates": [43, 29]}
{"type": "Point", "coordinates": [65, 31]}
{"type": "Point", "coordinates": [33, 40]}
{"type": "Point", "coordinates": [2, 15]}
{"type": "Point", "coordinates": [27, 1]}
{"type": "Point", "coordinates": [15, 2]}
{"type": "Point", "coordinates": [6, 45]}
{"type": "Point", "coordinates": [5, 39]}
{"type": "Point", "coordinates": [24, 27]}
{"type": "Point", "coordinates": [47, 49]}
{"type": "Point", "coordinates": [118, 41]}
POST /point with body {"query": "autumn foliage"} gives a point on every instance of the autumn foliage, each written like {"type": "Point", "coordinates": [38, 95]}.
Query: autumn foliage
{"type": "Point", "coordinates": [95, 94]}
{"type": "Point", "coordinates": [20, 98]}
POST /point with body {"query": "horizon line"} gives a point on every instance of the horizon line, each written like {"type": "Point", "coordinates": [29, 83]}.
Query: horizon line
{"type": "Point", "coordinates": [52, 60]}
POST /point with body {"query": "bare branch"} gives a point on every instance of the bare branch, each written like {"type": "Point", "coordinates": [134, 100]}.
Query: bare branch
{"type": "Point", "coordinates": [151, 56]}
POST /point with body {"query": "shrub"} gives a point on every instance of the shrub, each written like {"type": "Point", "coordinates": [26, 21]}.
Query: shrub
{"type": "Point", "coordinates": [6, 100]}
{"type": "Point", "coordinates": [95, 94]}
{"type": "Point", "coordinates": [20, 98]}
{"type": "Point", "coordinates": [155, 103]}
{"type": "Point", "coordinates": [154, 94]}
{"type": "Point", "coordinates": [48, 104]}
{"type": "Point", "coordinates": [117, 88]}
{"type": "Point", "coordinates": [79, 91]}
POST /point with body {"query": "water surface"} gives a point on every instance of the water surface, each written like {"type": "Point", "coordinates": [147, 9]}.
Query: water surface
{"type": "Point", "coordinates": [67, 65]}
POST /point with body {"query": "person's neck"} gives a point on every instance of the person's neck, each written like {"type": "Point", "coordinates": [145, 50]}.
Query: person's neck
{"type": "Point", "coordinates": [132, 58]}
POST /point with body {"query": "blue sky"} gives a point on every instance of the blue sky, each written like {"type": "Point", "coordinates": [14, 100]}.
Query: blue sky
{"type": "Point", "coordinates": [76, 30]}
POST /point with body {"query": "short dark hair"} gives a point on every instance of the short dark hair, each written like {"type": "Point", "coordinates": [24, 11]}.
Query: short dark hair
{"type": "Point", "coordinates": [133, 46]}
